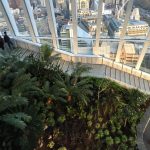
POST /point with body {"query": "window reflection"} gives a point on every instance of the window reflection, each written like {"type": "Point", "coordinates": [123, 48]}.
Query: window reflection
{"type": "Point", "coordinates": [18, 13]}
{"type": "Point", "coordinates": [3, 25]}
{"type": "Point", "coordinates": [40, 16]}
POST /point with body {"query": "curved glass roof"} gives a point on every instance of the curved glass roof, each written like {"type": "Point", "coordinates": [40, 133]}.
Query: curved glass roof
{"type": "Point", "coordinates": [86, 27]}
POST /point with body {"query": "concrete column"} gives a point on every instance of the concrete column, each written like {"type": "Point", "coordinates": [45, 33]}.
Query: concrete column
{"type": "Point", "coordinates": [99, 22]}
{"type": "Point", "coordinates": [144, 50]}
{"type": "Point", "coordinates": [52, 22]}
{"type": "Point", "coordinates": [10, 20]}
{"type": "Point", "coordinates": [74, 26]}
{"type": "Point", "coordinates": [124, 29]}
{"type": "Point", "coordinates": [30, 20]}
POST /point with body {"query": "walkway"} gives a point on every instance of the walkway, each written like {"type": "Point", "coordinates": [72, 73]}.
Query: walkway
{"type": "Point", "coordinates": [121, 77]}
{"type": "Point", "coordinates": [100, 71]}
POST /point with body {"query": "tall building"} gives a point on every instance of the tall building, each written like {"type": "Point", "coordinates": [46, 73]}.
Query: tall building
{"type": "Point", "coordinates": [83, 4]}
{"type": "Point", "coordinates": [134, 27]}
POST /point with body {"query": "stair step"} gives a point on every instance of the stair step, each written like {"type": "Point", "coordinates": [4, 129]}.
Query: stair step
{"type": "Point", "coordinates": [65, 66]}
{"type": "Point", "coordinates": [21, 55]}
{"type": "Point", "coordinates": [61, 63]}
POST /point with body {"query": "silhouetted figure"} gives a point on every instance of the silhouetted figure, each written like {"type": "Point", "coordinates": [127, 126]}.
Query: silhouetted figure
{"type": "Point", "coordinates": [1, 43]}
{"type": "Point", "coordinates": [7, 40]}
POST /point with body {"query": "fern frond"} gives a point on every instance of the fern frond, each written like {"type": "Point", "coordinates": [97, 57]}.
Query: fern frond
{"type": "Point", "coordinates": [11, 102]}
{"type": "Point", "coordinates": [17, 120]}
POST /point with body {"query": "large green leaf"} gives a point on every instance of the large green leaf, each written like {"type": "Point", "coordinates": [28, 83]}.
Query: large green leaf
{"type": "Point", "coordinates": [11, 102]}
{"type": "Point", "coordinates": [17, 120]}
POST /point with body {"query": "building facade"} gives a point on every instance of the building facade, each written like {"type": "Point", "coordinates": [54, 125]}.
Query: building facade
{"type": "Point", "coordinates": [83, 4]}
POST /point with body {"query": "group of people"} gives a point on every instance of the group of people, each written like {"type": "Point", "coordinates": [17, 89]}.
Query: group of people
{"type": "Point", "coordinates": [6, 40]}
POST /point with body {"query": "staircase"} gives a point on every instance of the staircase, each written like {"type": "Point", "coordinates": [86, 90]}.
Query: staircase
{"type": "Point", "coordinates": [23, 53]}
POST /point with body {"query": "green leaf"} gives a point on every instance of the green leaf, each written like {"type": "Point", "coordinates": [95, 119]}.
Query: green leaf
{"type": "Point", "coordinates": [17, 120]}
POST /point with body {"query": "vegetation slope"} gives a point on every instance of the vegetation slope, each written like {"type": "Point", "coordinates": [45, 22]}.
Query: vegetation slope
{"type": "Point", "coordinates": [44, 108]}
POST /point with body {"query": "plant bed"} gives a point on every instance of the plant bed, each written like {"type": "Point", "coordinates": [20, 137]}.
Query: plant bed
{"type": "Point", "coordinates": [53, 110]}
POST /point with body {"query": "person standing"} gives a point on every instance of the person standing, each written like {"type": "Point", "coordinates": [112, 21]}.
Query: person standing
{"type": "Point", "coordinates": [8, 40]}
{"type": "Point", "coordinates": [1, 43]}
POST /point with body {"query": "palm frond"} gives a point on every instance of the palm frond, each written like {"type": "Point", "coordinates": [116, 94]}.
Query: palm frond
{"type": "Point", "coordinates": [79, 69]}
{"type": "Point", "coordinates": [11, 101]}
{"type": "Point", "coordinates": [17, 120]}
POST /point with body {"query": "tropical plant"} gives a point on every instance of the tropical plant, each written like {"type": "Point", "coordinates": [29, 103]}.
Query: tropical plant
{"type": "Point", "coordinates": [18, 96]}
{"type": "Point", "coordinates": [72, 88]}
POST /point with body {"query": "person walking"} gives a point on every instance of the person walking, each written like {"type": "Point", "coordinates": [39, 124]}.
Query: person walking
{"type": "Point", "coordinates": [8, 40]}
{"type": "Point", "coordinates": [2, 43]}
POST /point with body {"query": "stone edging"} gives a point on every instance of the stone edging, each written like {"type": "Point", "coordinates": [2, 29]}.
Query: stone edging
{"type": "Point", "coordinates": [141, 129]}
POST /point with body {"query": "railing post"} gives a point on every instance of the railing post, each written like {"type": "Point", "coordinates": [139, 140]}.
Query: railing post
{"type": "Point", "coordinates": [10, 20]}
{"type": "Point", "coordinates": [52, 22]}
{"type": "Point", "coordinates": [30, 20]}
{"type": "Point", "coordinates": [124, 29]}
{"type": "Point", "coordinates": [144, 50]}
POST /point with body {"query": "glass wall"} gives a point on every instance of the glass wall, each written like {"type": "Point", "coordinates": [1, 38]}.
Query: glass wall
{"type": "Point", "coordinates": [87, 12]}
{"type": "Point", "coordinates": [146, 62]}
{"type": "Point", "coordinates": [114, 13]}
{"type": "Point", "coordinates": [138, 25]}
{"type": "Point", "coordinates": [113, 17]}
{"type": "Point", "coordinates": [63, 17]}
{"type": "Point", "coordinates": [40, 16]}
{"type": "Point", "coordinates": [130, 53]}
{"type": "Point", "coordinates": [18, 13]}
{"type": "Point", "coordinates": [3, 25]}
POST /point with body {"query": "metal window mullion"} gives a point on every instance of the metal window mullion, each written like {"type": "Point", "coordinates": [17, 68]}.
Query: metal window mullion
{"type": "Point", "coordinates": [124, 29]}
{"type": "Point", "coordinates": [74, 26]}
{"type": "Point", "coordinates": [30, 20]}
{"type": "Point", "coordinates": [99, 22]}
{"type": "Point", "coordinates": [143, 52]}
{"type": "Point", "coordinates": [52, 22]}
{"type": "Point", "coordinates": [10, 20]}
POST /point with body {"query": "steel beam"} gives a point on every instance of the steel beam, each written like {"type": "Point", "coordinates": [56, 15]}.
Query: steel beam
{"type": "Point", "coordinates": [30, 20]}
{"type": "Point", "coordinates": [124, 29]}
{"type": "Point", "coordinates": [52, 22]}
{"type": "Point", "coordinates": [74, 26]}
{"type": "Point", "coordinates": [10, 20]}
{"type": "Point", "coordinates": [144, 50]}
{"type": "Point", "coordinates": [99, 23]}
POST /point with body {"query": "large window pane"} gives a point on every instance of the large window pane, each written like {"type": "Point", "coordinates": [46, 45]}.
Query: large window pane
{"type": "Point", "coordinates": [87, 17]}
{"type": "Point", "coordinates": [138, 23]}
{"type": "Point", "coordinates": [63, 21]}
{"type": "Point", "coordinates": [130, 53]}
{"type": "Point", "coordinates": [40, 16]}
{"type": "Point", "coordinates": [18, 13]}
{"type": "Point", "coordinates": [3, 25]}
{"type": "Point", "coordinates": [145, 66]}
